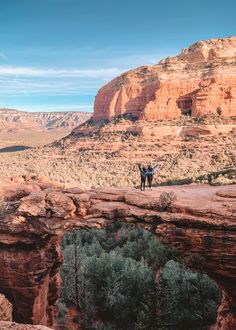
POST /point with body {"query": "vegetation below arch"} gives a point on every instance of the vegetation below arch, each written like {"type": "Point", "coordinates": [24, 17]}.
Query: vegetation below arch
{"type": "Point", "coordinates": [122, 277]}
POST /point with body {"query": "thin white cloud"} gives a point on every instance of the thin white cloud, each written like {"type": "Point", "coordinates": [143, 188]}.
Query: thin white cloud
{"type": "Point", "coordinates": [3, 57]}
{"type": "Point", "coordinates": [80, 107]}
{"type": "Point", "coordinates": [36, 72]}
{"type": "Point", "coordinates": [14, 89]}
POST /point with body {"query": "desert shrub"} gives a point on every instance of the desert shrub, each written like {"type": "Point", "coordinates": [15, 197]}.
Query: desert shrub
{"type": "Point", "coordinates": [166, 200]}
{"type": "Point", "coordinates": [3, 208]}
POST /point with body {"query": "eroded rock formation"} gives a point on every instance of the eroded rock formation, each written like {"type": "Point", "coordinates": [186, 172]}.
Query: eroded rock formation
{"type": "Point", "coordinates": [14, 119]}
{"type": "Point", "coordinates": [17, 326]}
{"type": "Point", "coordinates": [5, 309]}
{"type": "Point", "coordinates": [200, 223]}
{"type": "Point", "coordinates": [201, 80]}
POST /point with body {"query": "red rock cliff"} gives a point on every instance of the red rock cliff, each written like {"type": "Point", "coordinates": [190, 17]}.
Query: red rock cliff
{"type": "Point", "coordinates": [201, 80]}
{"type": "Point", "coordinates": [5, 309]}
{"type": "Point", "coordinates": [201, 224]}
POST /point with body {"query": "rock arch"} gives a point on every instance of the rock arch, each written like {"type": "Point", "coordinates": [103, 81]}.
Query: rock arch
{"type": "Point", "coordinates": [200, 222]}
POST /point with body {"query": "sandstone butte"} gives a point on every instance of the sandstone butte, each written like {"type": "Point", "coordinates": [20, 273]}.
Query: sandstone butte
{"type": "Point", "coordinates": [200, 223]}
{"type": "Point", "coordinates": [199, 81]}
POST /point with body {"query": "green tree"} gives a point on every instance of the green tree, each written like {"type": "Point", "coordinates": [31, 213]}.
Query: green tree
{"type": "Point", "coordinates": [188, 300]}
{"type": "Point", "coordinates": [122, 277]}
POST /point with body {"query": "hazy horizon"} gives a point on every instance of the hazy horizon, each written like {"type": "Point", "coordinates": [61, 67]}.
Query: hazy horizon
{"type": "Point", "coordinates": [55, 55]}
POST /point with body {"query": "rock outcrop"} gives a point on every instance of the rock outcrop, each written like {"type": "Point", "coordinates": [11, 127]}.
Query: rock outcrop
{"type": "Point", "coordinates": [14, 119]}
{"type": "Point", "coordinates": [201, 80]}
{"type": "Point", "coordinates": [17, 326]}
{"type": "Point", "coordinates": [200, 222]}
{"type": "Point", "coordinates": [5, 309]}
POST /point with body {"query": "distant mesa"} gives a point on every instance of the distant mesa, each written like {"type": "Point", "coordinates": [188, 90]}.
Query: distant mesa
{"type": "Point", "coordinates": [11, 119]}
{"type": "Point", "coordinates": [199, 81]}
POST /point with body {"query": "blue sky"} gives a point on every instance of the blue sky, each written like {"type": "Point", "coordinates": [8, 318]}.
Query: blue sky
{"type": "Point", "coordinates": [56, 54]}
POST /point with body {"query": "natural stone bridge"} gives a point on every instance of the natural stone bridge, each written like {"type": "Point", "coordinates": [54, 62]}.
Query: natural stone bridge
{"type": "Point", "coordinates": [200, 223]}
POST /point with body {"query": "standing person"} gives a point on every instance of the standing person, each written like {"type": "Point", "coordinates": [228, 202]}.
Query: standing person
{"type": "Point", "coordinates": [149, 173]}
{"type": "Point", "coordinates": [143, 176]}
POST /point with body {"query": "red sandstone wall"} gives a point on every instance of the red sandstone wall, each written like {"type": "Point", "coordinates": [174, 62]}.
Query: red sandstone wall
{"type": "Point", "coordinates": [206, 70]}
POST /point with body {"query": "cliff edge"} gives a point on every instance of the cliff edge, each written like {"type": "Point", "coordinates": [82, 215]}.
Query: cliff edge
{"type": "Point", "coordinates": [200, 222]}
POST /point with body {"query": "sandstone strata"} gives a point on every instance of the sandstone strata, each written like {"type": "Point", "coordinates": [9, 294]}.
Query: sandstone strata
{"type": "Point", "coordinates": [201, 80]}
{"type": "Point", "coordinates": [200, 223]}
{"type": "Point", "coordinates": [20, 120]}
{"type": "Point", "coordinates": [17, 326]}
{"type": "Point", "coordinates": [5, 309]}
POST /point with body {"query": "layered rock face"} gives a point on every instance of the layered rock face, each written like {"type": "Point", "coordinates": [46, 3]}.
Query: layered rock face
{"type": "Point", "coordinates": [14, 119]}
{"type": "Point", "coordinates": [201, 80]}
{"type": "Point", "coordinates": [200, 222]}
{"type": "Point", "coordinates": [5, 309]}
{"type": "Point", "coordinates": [17, 326]}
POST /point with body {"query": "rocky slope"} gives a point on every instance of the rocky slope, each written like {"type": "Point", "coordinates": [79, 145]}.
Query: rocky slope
{"type": "Point", "coordinates": [14, 119]}
{"type": "Point", "coordinates": [201, 80]}
{"type": "Point", "coordinates": [98, 155]}
{"type": "Point", "coordinates": [198, 220]}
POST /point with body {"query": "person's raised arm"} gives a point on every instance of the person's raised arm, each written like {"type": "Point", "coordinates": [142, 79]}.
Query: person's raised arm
{"type": "Point", "coordinates": [155, 167]}
{"type": "Point", "coordinates": [139, 166]}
